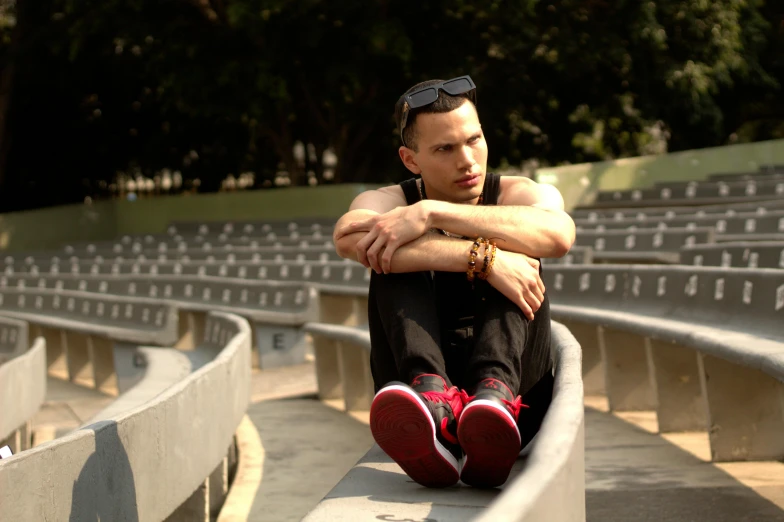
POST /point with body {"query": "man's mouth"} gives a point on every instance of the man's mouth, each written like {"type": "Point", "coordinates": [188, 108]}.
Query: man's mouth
{"type": "Point", "coordinates": [468, 181]}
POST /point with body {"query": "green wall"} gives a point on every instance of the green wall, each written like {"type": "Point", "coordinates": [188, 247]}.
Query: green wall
{"type": "Point", "coordinates": [50, 228]}
{"type": "Point", "coordinates": [580, 183]}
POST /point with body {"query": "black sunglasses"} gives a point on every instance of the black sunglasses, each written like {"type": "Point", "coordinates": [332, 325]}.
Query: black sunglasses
{"type": "Point", "coordinates": [427, 95]}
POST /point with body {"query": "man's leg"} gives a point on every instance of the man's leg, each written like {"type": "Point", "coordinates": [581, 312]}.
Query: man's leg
{"type": "Point", "coordinates": [511, 357]}
{"type": "Point", "coordinates": [405, 336]}
{"type": "Point", "coordinates": [413, 414]}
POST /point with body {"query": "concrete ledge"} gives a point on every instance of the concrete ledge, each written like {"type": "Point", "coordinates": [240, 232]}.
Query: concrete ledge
{"type": "Point", "coordinates": [547, 485]}
{"type": "Point", "coordinates": [148, 462]}
{"type": "Point", "coordinates": [551, 486]}
{"type": "Point", "coordinates": [22, 388]}
{"type": "Point", "coordinates": [164, 367]}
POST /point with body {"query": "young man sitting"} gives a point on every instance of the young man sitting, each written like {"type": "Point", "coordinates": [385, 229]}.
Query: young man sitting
{"type": "Point", "coordinates": [458, 316]}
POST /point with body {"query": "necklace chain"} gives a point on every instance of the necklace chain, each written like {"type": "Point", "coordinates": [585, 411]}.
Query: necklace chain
{"type": "Point", "coordinates": [423, 195]}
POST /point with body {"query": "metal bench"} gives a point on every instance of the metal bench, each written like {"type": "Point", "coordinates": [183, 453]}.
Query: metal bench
{"type": "Point", "coordinates": [642, 246]}
{"type": "Point", "coordinates": [703, 346]}
{"type": "Point", "coordinates": [249, 227]}
{"type": "Point", "coordinates": [769, 225]}
{"type": "Point", "coordinates": [578, 255]}
{"type": "Point", "coordinates": [692, 193]}
{"type": "Point", "coordinates": [80, 329]}
{"type": "Point", "coordinates": [22, 383]}
{"type": "Point", "coordinates": [677, 209]}
{"type": "Point", "coordinates": [276, 310]}
{"type": "Point", "coordinates": [742, 254]}
{"type": "Point", "coordinates": [183, 438]}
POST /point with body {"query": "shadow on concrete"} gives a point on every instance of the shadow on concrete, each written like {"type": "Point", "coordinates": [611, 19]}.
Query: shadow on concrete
{"type": "Point", "coordinates": [105, 488]}
{"type": "Point", "coordinates": [632, 474]}
{"type": "Point", "coordinates": [308, 448]}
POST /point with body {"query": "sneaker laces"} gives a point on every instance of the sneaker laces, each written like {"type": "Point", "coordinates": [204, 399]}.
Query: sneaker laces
{"type": "Point", "coordinates": [456, 399]}
{"type": "Point", "coordinates": [515, 405]}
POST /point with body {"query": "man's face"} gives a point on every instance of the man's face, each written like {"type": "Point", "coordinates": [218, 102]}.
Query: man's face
{"type": "Point", "coordinates": [452, 156]}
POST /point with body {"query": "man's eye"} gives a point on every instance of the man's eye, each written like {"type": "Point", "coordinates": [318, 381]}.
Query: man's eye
{"type": "Point", "coordinates": [445, 148]}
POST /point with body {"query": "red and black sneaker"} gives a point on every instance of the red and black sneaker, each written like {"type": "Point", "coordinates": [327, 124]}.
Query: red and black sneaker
{"type": "Point", "coordinates": [417, 427]}
{"type": "Point", "coordinates": [489, 435]}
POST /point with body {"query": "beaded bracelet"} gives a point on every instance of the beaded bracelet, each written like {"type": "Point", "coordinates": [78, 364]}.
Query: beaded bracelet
{"type": "Point", "coordinates": [488, 266]}
{"type": "Point", "coordinates": [472, 258]}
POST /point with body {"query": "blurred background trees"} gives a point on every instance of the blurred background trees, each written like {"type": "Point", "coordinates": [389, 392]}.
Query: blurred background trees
{"type": "Point", "coordinates": [100, 98]}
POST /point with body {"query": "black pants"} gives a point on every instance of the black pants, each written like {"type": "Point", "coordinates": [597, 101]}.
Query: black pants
{"type": "Point", "coordinates": [442, 324]}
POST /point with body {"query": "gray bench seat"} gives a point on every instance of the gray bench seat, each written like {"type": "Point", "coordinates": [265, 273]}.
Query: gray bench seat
{"type": "Point", "coordinates": [675, 209]}
{"type": "Point", "coordinates": [646, 240]}
{"type": "Point", "coordinates": [142, 321]}
{"type": "Point", "coordinates": [746, 254]}
{"type": "Point", "coordinates": [677, 339]}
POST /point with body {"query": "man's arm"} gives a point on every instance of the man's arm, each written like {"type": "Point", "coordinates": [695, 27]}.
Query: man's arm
{"type": "Point", "coordinates": [529, 219]}
{"type": "Point", "coordinates": [515, 275]}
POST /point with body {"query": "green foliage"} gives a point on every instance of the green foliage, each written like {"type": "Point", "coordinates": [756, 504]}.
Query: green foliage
{"type": "Point", "coordinates": [212, 87]}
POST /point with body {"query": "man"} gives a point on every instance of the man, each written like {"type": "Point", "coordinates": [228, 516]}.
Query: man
{"type": "Point", "coordinates": [449, 313]}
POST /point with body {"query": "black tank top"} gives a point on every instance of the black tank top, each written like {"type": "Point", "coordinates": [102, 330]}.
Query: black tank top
{"type": "Point", "coordinates": [455, 295]}
{"type": "Point", "coordinates": [490, 190]}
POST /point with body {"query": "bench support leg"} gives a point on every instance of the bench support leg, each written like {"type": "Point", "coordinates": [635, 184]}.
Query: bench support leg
{"type": "Point", "coordinates": [355, 376]}
{"type": "Point", "coordinates": [593, 367]}
{"type": "Point", "coordinates": [626, 371]}
{"type": "Point", "coordinates": [745, 411]}
{"type": "Point", "coordinates": [680, 405]}
{"type": "Point", "coordinates": [56, 363]}
{"type": "Point", "coordinates": [102, 357]}
{"type": "Point", "coordinates": [327, 368]}
{"type": "Point", "coordinates": [80, 368]}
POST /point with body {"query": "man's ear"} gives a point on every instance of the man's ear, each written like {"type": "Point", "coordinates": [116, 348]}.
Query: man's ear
{"type": "Point", "coordinates": [408, 157]}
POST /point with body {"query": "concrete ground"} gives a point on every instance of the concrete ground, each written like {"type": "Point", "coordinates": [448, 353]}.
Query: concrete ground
{"type": "Point", "coordinates": [632, 473]}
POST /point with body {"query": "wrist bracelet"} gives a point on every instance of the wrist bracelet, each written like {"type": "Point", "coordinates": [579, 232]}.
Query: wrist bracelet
{"type": "Point", "coordinates": [489, 266]}
{"type": "Point", "coordinates": [472, 258]}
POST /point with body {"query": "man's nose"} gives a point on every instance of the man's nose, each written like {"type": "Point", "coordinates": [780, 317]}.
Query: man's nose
{"type": "Point", "coordinates": [465, 158]}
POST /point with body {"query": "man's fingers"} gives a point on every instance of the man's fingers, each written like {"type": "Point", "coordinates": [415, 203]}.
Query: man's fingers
{"type": "Point", "coordinates": [372, 254]}
{"type": "Point", "coordinates": [386, 257]}
{"type": "Point", "coordinates": [363, 245]}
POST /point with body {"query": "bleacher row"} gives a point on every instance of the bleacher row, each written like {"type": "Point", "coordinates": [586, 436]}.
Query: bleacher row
{"type": "Point", "coordinates": [640, 327]}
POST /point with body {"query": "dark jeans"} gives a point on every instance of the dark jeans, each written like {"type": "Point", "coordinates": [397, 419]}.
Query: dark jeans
{"type": "Point", "coordinates": [423, 323]}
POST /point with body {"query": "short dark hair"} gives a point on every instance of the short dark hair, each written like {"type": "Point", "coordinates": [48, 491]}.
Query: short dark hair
{"type": "Point", "coordinates": [444, 103]}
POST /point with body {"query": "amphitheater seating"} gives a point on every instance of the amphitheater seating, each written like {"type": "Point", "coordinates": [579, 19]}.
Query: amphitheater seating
{"type": "Point", "coordinates": [248, 227]}
{"type": "Point", "coordinates": [164, 460]}
{"type": "Point", "coordinates": [748, 254]}
{"type": "Point", "coordinates": [679, 209]}
{"type": "Point", "coordinates": [22, 383]}
{"type": "Point", "coordinates": [685, 341]}
{"type": "Point", "coordinates": [643, 245]}
{"type": "Point", "coordinates": [761, 225]}
{"type": "Point", "coordinates": [692, 193]}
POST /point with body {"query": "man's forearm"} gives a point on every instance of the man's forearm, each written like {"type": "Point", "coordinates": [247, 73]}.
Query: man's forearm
{"type": "Point", "coordinates": [533, 231]}
{"type": "Point", "coordinates": [429, 252]}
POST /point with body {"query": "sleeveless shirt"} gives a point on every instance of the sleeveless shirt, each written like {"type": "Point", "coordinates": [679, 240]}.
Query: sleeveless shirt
{"type": "Point", "coordinates": [455, 298]}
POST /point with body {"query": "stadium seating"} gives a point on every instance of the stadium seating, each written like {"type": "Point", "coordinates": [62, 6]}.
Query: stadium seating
{"type": "Point", "coordinates": [22, 383]}
{"type": "Point", "coordinates": [163, 460]}
{"type": "Point", "coordinates": [720, 327]}
{"type": "Point", "coordinates": [748, 254]}
{"type": "Point", "coordinates": [693, 193]}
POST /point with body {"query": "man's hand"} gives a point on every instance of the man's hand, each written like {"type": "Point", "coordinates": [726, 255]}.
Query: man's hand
{"type": "Point", "coordinates": [517, 277]}
{"type": "Point", "coordinates": [386, 233]}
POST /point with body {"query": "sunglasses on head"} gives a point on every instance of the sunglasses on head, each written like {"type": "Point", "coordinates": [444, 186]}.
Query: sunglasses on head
{"type": "Point", "coordinates": [427, 95]}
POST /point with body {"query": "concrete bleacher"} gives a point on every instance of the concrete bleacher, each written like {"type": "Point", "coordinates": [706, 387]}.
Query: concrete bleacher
{"type": "Point", "coordinates": [22, 382]}
{"type": "Point", "coordinates": [167, 458]}
{"type": "Point", "coordinates": [621, 317]}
